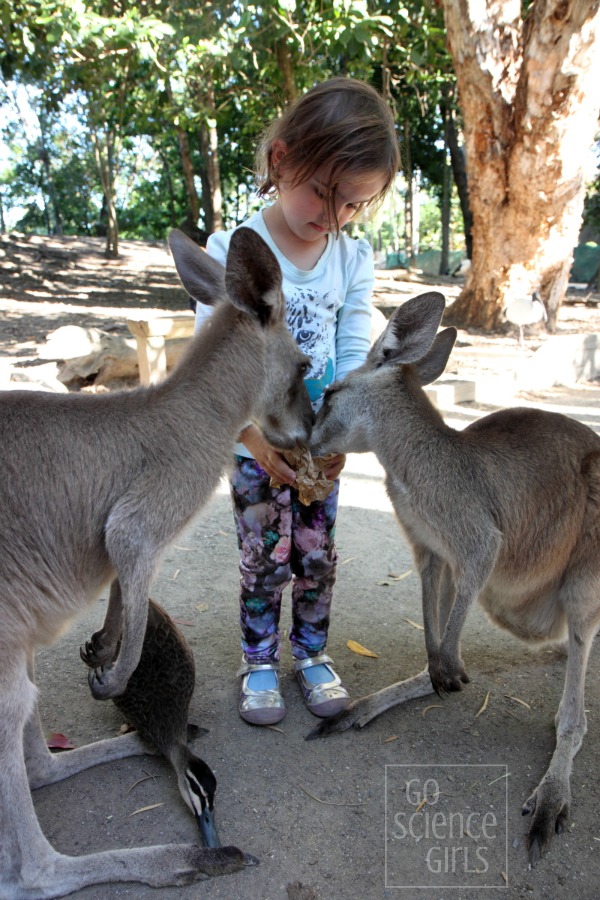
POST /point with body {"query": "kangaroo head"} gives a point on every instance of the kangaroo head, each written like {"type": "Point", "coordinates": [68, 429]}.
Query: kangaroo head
{"type": "Point", "coordinates": [410, 343]}
{"type": "Point", "coordinates": [251, 282]}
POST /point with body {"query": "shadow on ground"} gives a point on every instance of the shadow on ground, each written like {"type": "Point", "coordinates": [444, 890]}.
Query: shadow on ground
{"type": "Point", "coordinates": [315, 813]}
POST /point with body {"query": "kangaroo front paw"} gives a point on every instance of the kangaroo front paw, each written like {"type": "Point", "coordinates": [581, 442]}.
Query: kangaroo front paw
{"type": "Point", "coordinates": [446, 678]}
{"type": "Point", "coordinates": [549, 805]}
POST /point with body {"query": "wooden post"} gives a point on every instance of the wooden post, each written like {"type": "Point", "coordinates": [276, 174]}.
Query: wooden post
{"type": "Point", "coordinates": [151, 336]}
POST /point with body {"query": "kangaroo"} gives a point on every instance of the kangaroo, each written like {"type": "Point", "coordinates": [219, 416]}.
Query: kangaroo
{"type": "Point", "coordinates": [156, 703]}
{"type": "Point", "coordinates": [507, 511]}
{"type": "Point", "coordinates": [93, 488]}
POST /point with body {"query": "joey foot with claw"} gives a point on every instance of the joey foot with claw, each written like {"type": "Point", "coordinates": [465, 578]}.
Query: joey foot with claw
{"type": "Point", "coordinates": [549, 804]}
{"type": "Point", "coordinates": [102, 684]}
{"type": "Point", "coordinates": [95, 653]}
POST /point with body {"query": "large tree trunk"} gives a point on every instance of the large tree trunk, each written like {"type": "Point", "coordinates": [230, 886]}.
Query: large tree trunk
{"type": "Point", "coordinates": [529, 99]}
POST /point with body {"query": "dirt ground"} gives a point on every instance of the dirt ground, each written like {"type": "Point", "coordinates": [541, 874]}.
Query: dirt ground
{"type": "Point", "coordinates": [328, 819]}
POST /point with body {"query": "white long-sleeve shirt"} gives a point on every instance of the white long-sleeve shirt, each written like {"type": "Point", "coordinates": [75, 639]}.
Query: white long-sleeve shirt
{"type": "Point", "coordinates": [328, 308]}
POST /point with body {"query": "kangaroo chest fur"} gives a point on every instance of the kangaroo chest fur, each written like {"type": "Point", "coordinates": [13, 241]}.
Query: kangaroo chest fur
{"type": "Point", "coordinates": [415, 525]}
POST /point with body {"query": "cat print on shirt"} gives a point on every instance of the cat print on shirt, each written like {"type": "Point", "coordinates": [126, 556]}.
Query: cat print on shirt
{"type": "Point", "coordinates": [312, 320]}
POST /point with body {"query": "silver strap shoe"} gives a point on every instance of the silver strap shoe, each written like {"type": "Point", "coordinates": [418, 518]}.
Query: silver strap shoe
{"type": "Point", "coordinates": [264, 707]}
{"type": "Point", "coordinates": [325, 698]}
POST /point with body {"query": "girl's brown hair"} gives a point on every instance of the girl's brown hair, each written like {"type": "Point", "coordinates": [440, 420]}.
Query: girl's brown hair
{"type": "Point", "coordinates": [343, 125]}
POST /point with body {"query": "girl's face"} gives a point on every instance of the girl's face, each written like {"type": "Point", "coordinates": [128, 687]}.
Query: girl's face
{"type": "Point", "coordinates": [306, 208]}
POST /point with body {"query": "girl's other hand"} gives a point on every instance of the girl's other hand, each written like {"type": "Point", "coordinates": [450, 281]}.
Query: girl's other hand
{"type": "Point", "coordinates": [267, 456]}
{"type": "Point", "coordinates": [335, 466]}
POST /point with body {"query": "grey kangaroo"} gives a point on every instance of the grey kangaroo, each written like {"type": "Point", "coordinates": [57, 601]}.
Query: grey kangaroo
{"type": "Point", "coordinates": [507, 511]}
{"type": "Point", "coordinates": [93, 488]}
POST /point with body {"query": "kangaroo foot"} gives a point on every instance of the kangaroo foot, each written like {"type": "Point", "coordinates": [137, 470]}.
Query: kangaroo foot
{"type": "Point", "coordinates": [356, 715]}
{"type": "Point", "coordinates": [224, 861]}
{"type": "Point", "coordinates": [360, 712]}
{"type": "Point", "coordinates": [447, 677]}
{"type": "Point", "coordinates": [549, 805]}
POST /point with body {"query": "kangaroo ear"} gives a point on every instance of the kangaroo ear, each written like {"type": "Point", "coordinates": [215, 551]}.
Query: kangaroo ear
{"type": "Point", "coordinates": [410, 331]}
{"type": "Point", "coordinates": [253, 277]}
{"type": "Point", "coordinates": [434, 362]}
{"type": "Point", "coordinates": [201, 275]}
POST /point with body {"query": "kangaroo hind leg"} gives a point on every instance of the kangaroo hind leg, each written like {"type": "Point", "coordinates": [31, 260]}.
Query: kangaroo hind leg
{"type": "Point", "coordinates": [550, 802]}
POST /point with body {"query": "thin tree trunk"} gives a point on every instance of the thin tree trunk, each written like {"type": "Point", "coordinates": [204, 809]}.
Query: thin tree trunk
{"type": "Point", "coordinates": [44, 156]}
{"type": "Point", "coordinates": [211, 195]}
{"type": "Point", "coordinates": [187, 166]}
{"type": "Point", "coordinates": [189, 178]}
{"type": "Point", "coordinates": [459, 172]}
{"type": "Point", "coordinates": [446, 204]}
{"type": "Point", "coordinates": [409, 206]}
{"type": "Point", "coordinates": [285, 65]}
{"type": "Point", "coordinates": [104, 154]}
{"type": "Point", "coordinates": [529, 99]}
{"type": "Point", "coordinates": [170, 190]}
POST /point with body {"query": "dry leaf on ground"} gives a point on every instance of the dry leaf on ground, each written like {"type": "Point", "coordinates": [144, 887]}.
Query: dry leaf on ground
{"type": "Point", "coordinates": [362, 651]}
{"type": "Point", "coordinates": [58, 741]}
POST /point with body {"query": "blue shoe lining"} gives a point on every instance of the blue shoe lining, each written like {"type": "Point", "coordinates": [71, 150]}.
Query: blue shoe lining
{"type": "Point", "coordinates": [265, 680]}
{"type": "Point", "coordinates": [320, 674]}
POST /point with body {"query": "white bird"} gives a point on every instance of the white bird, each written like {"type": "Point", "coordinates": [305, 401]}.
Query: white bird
{"type": "Point", "coordinates": [525, 311]}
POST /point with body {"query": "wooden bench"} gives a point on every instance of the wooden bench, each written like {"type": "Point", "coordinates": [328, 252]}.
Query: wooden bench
{"type": "Point", "coordinates": [151, 336]}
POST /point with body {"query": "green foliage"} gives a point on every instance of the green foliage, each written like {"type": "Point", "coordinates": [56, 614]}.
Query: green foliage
{"type": "Point", "coordinates": [591, 212]}
{"type": "Point", "coordinates": [136, 76]}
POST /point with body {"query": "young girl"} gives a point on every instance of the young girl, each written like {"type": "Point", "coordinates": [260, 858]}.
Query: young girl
{"type": "Point", "coordinates": [332, 155]}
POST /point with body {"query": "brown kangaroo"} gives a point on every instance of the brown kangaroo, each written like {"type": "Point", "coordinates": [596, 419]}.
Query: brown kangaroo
{"type": "Point", "coordinates": [93, 488]}
{"type": "Point", "coordinates": [506, 511]}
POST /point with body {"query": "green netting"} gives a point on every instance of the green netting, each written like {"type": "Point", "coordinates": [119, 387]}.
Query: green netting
{"type": "Point", "coordinates": [428, 261]}
{"type": "Point", "coordinates": [586, 262]}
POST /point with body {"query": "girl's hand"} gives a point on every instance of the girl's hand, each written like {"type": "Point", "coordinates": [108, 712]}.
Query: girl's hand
{"type": "Point", "coordinates": [267, 456]}
{"type": "Point", "coordinates": [335, 466]}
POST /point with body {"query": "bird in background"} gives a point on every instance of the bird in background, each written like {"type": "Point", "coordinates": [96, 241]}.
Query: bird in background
{"type": "Point", "coordinates": [525, 311]}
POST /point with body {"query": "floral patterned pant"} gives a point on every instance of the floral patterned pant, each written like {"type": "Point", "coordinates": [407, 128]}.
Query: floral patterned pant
{"type": "Point", "coordinates": [281, 540]}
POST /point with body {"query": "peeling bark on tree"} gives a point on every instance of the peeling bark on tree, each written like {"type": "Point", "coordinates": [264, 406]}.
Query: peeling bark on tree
{"type": "Point", "coordinates": [530, 101]}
